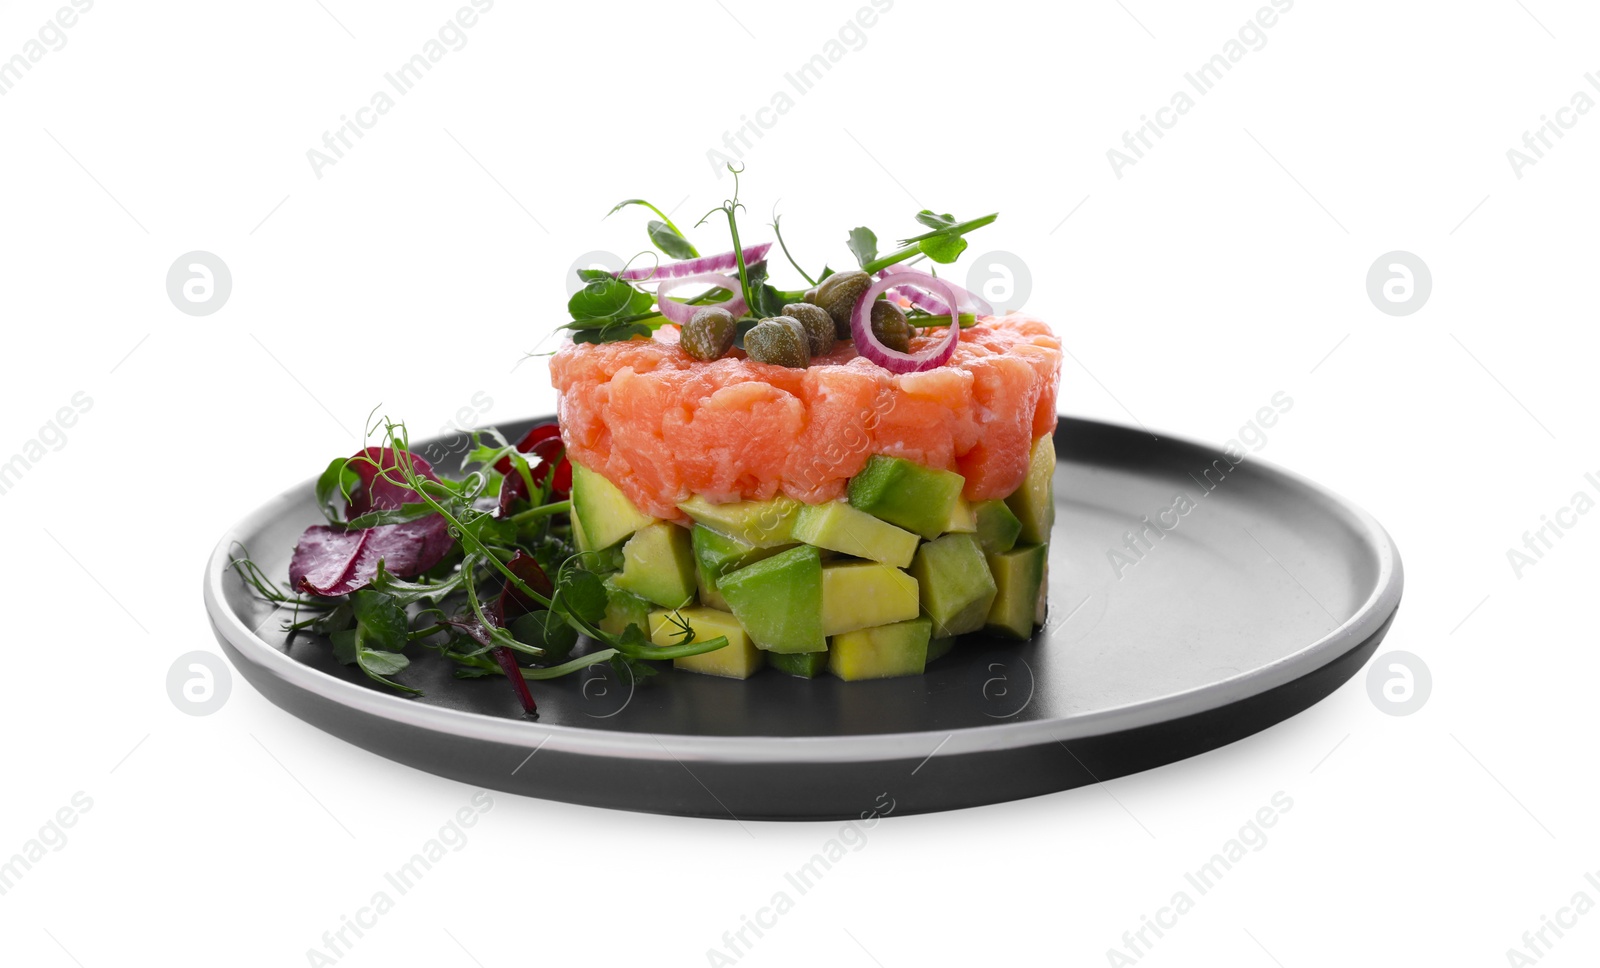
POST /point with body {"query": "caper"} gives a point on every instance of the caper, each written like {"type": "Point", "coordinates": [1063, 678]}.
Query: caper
{"type": "Point", "coordinates": [708, 334]}
{"type": "Point", "coordinates": [838, 294]}
{"type": "Point", "coordinates": [780, 340]}
{"type": "Point", "coordinates": [818, 325]}
{"type": "Point", "coordinates": [890, 326]}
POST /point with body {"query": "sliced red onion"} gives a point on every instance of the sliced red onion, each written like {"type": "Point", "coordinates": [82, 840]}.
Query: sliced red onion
{"type": "Point", "coordinates": [708, 263]}
{"type": "Point", "coordinates": [679, 312]}
{"type": "Point", "coordinates": [867, 342]}
{"type": "Point", "coordinates": [968, 302]}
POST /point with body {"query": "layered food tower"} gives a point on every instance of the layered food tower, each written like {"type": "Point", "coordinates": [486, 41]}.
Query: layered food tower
{"type": "Point", "coordinates": [833, 516]}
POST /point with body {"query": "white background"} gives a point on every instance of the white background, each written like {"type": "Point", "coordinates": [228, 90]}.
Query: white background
{"type": "Point", "coordinates": [1225, 266]}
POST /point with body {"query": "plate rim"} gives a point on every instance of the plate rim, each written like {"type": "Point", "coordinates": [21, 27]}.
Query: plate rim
{"type": "Point", "coordinates": [1367, 619]}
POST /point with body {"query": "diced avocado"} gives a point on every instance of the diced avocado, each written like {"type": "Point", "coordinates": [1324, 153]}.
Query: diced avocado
{"type": "Point", "coordinates": [861, 594]}
{"type": "Point", "coordinates": [914, 497]}
{"type": "Point", "coordinates": [578, 537]}
{"type": "Point", "coordinates": [997, 527]}
{"type": "Point", "coordinates": [1043, 608]}
{"type": "Point", "coordinates": [962, 517]}
{"type": "Point", "coordinates": [761, 524]}
{"type": "Point", "coordinates": [954, 583]}
{"type": "Point", "coordinates": [779, 600]}
{"type": "Point", "coordinates": [1018, 576]}
{"type": "Point", "coordinates": [882, 651]}
{"type": "Point", "coordinates": [623, 608]}
{"type": "Point", "coordinates": [806, 665]}
{"type": "Point", "coordinates": [1034, 502]}
{"type": "Point", "coordinates": [658, 564]}
{"type": "Point", "coordinates": [739, 659]}
{"type": "Point", "coordinates": [839, 527]}
{"type": "Point", "coordinates": [939, 648]}
{"type": "Point", "coordinates": [602, 513]}
{"type": "Point", "coordinates": [717, 554]}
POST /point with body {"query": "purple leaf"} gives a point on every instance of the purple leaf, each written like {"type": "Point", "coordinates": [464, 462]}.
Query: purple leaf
{"type": "Point", "coordinates": [328, 561]}
{"type": "Point", "coordinates": [382, 483]}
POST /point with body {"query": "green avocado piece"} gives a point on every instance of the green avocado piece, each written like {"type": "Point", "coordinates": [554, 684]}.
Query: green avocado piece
{"type": "Point", "coordinates": [881, 652]}
{"type": "Point", "coordinates": [806, 665]}
{"type": "Point", "coordinates": [860, 594]}
{"type": "Point", "coordinates": [602, 515]}
{"type": "Point", "coordinates": [623, 608]}
{"type": "Point", "coordinates": [717, 554]}
{"type": "Point", "coordinates": [997, 526]}
{"type": "Point", "coordinates": [940, 647]}
{"type": "Point", "coordinates": [1018, 575]}
{"type": "Point", "coordinates": [837, 526]}
{"type": "Point", "coordinates": [954, 583]}
{"type": "Point", "coordinates": [779, 600]}
{"type": "Point", "coordinates": [658, 565]}
{"type": "Point", "coordinates": [739, 659]}
{"type": "Point", "coordinates": [962, 517]}
{"type": "Point", "coordinates": [1034, 503]}
{"type": "Point", "coordinates": [916, 498]}
{"type": "Point", "coordinates": [761, 524]}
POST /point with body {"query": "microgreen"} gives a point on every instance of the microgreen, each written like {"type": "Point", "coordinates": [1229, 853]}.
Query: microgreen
{"type": "Point", "coordinates": [489, 603]}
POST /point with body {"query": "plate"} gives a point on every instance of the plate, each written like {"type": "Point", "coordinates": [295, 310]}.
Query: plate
{"type": "Point", "coordinates": [1193, 601]}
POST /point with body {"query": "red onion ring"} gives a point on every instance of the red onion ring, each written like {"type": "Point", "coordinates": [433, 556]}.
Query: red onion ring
{"type": "Point", "coordinates": [969, 302]}
{"type": "Point", "coordinates": [679, 312]}
{"type": "Point", "coordinates": [867, 342]}
{"type": "Point", "coordinates": [689, 267]}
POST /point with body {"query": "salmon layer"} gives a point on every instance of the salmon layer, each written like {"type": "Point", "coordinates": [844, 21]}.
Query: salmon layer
{"type": "Point", "coordinates": [663, 426]}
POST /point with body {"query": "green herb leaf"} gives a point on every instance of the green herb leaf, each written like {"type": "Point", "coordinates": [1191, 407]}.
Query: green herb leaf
{"type": "Point", "coordinates": [667, 239]}
{"type": "Point", "coordinates": [338, 479]}
{"type": "Point", "coordinates": [380, 620]}
{"type": "Point", "coordinates": [376, 663]}
{"type": "Point", "coordinates": [863, 244]}
{"type": "Point", "coordinates": [594, 275]}
{"type": "Point", "coordinates": [581, 594]}
{"type": "Point", "coordinates": [943, 249]}
{"type": "Point", "coordinates": [547, 630]}
{"type": "Point", "coordinates": [601, 299]}
{"type": "Point", "coordinates": [934, 220]}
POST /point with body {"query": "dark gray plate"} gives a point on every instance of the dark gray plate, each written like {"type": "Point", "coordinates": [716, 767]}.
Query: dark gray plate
{"type": "Point", "coordinates": [1266, 594]}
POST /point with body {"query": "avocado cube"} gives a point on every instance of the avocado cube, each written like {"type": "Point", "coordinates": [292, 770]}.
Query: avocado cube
{"type": "Point", "coordinates": [761, 524]}
{"type": "Point", "coordinates": [658, 565]}
{"type": "Point", "coordinates": [602, 515]}
{"type": "Point", "coordinates": [839, 527]}
{"type": "Point", "coordinates": [1018, 576]}
{"type": "Point", "coordinates": [1034, 503]}
{"type": "Point", "coordinates": [1043, 608]}
{"type": "Point", "coordinates": [861, 594]}
{"type": "Point", "coordinates": [623, 608]}
{"type": "Point", "coordinates": [881, 652]}
{"type": "Point", "coordinates": [954, 583]}
{"type": "Point", "coordinates": [779, 600]}
{"type": "Point", "coordinates": [940, 647]}
{"type": "Point", "coordinates": [806, 665]}
{"type": "Point", "coordinates": [739, 659]}
{"type": "Point", "coordinates": [717, 554]}
{"type": "Point", "coordinates": [997, 527]}
{"type": "Point", "coordinates": [962, 517]}
{"type": "Point", "coordinates": [900, 492]}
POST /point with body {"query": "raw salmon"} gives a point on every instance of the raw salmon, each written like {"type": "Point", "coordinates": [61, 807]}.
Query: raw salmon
{"type": "Point", "coordinates": [664, 426]}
